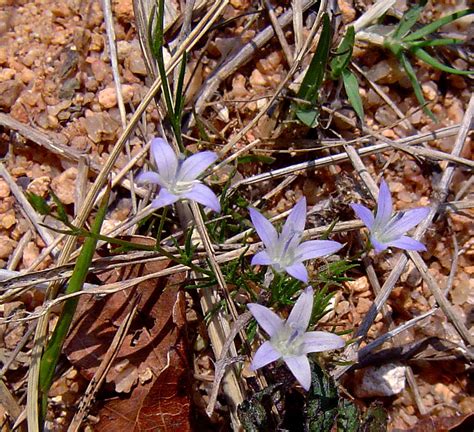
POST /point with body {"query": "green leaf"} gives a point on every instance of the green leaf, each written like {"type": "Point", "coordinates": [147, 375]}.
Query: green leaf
{"type": "Point", "coordinates": [314, 76]}
{"type": "Point", "coordinates": [61, 211]}
{"type": "Point", "coordinates": [434, 42]}
{"type": "Point", "coordinates": [308, 116]}
{"type": "Point", "coordinates": [408, 21]}
{"type": "Point", "coordinates": [352, 89]}
{"type": "Point", "coordinates": [424, 56]}
{"type": "Point", "coordinates": [432, 27]}
{"type": "Point", "coordinates": [343, 54]}
{"type": "Point", "coordinates": [322, 401]}
{"type": "Point", "coordinates": [348, 416]}
{"type": "Point", "coordinates": [179, 104]}
{"type": "Point", "coordinates": [50, 357]}
{"type": "Point", "coordinates": [38, 203]}
{"type": "Point", "coordinates": [416, 85]}
{"type": "Point", "coordinates": [255, 158]}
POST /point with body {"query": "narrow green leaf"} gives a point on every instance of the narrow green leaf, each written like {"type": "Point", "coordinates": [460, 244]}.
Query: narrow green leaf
{"type": "Point", "coordinates": [314, 76]}
{"type": "Point", "coordinates": [255, 158]}
{"type": "Point", "coordinates": [61, 211]}
{"type": "Point", "coordinates": [53, 349]}
{"type": "Point", "coordinates": [343, 54]}
{"type": "Point", "coordinates": [423, 55]}
{"type": "Point", "coordinates": [352, 89]}
{"type": "Point", "coordinates": [434, 42]}
{"type": "Point", "coordinates": [38, 203]}
{"type": "Point", "coordinates": [402, 58]}
{"type": "Point", "coordinates": [308, 116]}
{"type": "Point", "coordinates": [180, 97]}
{"type": "Point", "coordinates": [430, 28]}
{"type": "Point", "coordinates": [408, 21]}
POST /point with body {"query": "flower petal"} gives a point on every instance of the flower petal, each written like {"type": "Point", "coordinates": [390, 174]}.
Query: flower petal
{"type": "Point", "coordinates": [408, 243]}
{"type": "Point", "coordinates": [261, 258]}
{"type": "Point", "coordinates": [406, 222]}
{"type": "Point", "coordinates": [264, 355]}
{"type": "Point", "coordinates": [300, 368]}
{"type": "Point", "coordinates": [317, 341]}
{"type": "Point", "coordinates": [298, 271]}
{"type": "Point", "coordinates": [317, 248]}
{"type": "Point", "coordinates": [264, 228]}
{"type": "Point", "coordinates": [384, 206]}
{"type": "Point", "coordinates": [301, 313]}
{"type": "Point", "coordinates": [364, 214]}
{"type": "Point", "coordinates": [266, 318]}
{"type": "Point", "coordinates": [203, 195]}
{"type": "Point", "coordinates": [195, 165]}
{"type": "Point", "coordinates": [149, 177]}
{"type": "Point", "coordinates": [163, 199]}
{"type": "Point", "coordinates": [296, 220]}
{"type": "Point", "coordinates": [379, 247]}
{"type": "Point", "coordinates": [165, 159]}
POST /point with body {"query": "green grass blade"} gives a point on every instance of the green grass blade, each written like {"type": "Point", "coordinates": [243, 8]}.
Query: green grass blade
{"type": "Point", "coordinates": [180, 97]}
{"type": "Point", "coordinates": [343, 54]}
{"type": "Point", "coordinates": [314, 76]}
{"type": "Point", "coordinates": [435, 42]}
{"type": "Point", "coordinates": [427, 58]}
{"type": "Point", "coordinates": [53, 349]}
{"type": "Point", "coordinates": [430, 28]}
{"type": "Point", "coordinates": [408, 21]}
{"type": "Point", "coordinates": [416, 85]}
{"type": "Point", "coordinates": [352, 89]}
{"type": "Point", "coordinates": [158, 47]}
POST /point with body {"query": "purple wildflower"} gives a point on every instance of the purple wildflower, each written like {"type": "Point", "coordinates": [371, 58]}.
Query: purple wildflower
{"type": "Point", "coordinates": [289, 339]}
{"type": "Point", "coordinates": [388, 228]}
{"type": "Point", "coordinates": [284, 251]}
{"type": "Point", "coordinates": [178, 176]}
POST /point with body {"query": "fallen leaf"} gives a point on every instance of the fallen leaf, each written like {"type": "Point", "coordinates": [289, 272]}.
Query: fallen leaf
{"type": "Point", "coordinates": [445, 424]}
{"type": "Point", "coordinates": [152, 332]}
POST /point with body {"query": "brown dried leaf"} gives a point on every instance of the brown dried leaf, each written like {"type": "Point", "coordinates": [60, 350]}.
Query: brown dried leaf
{"type": "Point", "coordinates": [152, 332]}
{"type": "Point", "coordinates": [445, 424]}
{"type": "Point", "coordinates": [161, 405]}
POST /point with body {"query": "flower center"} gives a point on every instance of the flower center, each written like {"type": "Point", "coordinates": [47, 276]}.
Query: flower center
{"type": "Point", "coordinates": [288, 340]}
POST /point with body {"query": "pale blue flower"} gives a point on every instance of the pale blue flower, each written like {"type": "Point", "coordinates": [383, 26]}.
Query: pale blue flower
{"type": "Point", "coordinates": [284, 251]}
{"type": "Point", "coordinates": [388, 228]}
{"type": "Point", "coordinates": [178, 176]}
{"type": "Point", "coordinates": [289, 339]}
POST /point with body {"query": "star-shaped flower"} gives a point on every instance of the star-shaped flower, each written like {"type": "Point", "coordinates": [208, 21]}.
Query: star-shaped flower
{"type": "Point", "coordinates": [289, 339]}
{"type": "Point", "coordinates": [178, 176]}
{"type": "Point", "coordinates": [388, 228]}
{"type": "Point", "coordinates": [284, 251]}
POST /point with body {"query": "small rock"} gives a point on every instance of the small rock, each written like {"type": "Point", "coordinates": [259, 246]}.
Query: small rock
{"type": "Point", "coordinates": [123, 10]}
{"type": "Point", "coordinates": [4, 189]}
{"type": "Point", "coordinates": [385, 380]}
{"type": "Point", "coordinates": [358, 285]}
{"type": "Point", "coordinates": [347, 9]}
{"type": "Point", "coordinates": [108, 96]}
{"type": "Point", "coordinates": [136, 63]}
{"type": "Point", "coordinates": [9, 92]}
{"type": "Point", "coordinates": [100, 126]}
{"type": "Point", "coordinates": [8, 219]}
{"type": "Point", "coordinates": [7, 74]}
{"type": "Point", "coordinates": [64, 186]}
{"type": "Point", "coordinates": [123, 49]}
{"type": "Point", "coordinates": [6, 246]}
{"type": "Point", "coordinates": [385, 72]}
{"type": "Point", "coordinates": [30, 253]}
{"type": "Point", "coordinates": [39, 186]}
{"type": "Point", "coordinates": [363, 306]}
